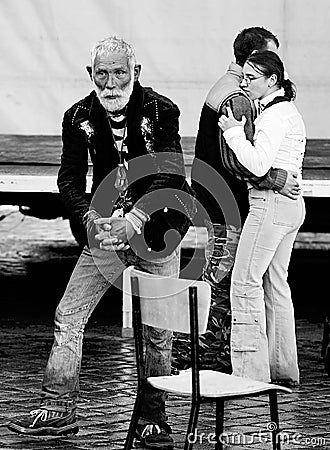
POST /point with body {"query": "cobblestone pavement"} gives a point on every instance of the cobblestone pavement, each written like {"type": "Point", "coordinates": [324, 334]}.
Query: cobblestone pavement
{"type": "Point", "coordinates": [108, 391]}
{"type": "Point", "coordinates": [36, 258]}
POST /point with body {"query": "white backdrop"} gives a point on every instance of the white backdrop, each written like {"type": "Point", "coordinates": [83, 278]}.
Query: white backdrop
{"type": "Point", "coordinates": [183, 46]}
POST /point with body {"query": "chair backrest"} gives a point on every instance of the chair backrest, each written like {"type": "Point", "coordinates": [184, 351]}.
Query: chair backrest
{"type": "Point", "coordinates": [164, 301]}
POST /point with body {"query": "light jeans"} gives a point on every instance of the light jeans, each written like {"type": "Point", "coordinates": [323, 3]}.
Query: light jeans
{"type": "Point", "coordinates": [92, 276]}
{"type": "Point", "coordinates": [263, 340]}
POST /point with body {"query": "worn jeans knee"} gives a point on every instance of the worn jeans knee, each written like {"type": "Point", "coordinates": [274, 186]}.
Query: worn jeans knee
{"type": "Point", "coordinates": [68, 327]}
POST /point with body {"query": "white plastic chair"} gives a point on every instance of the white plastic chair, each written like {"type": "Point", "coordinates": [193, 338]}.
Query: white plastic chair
{"type": "Point", "coordinates": [183, 306]}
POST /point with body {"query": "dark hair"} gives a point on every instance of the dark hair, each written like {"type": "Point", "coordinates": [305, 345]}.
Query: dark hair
{"type": "Point", "coordinates": [250, 39]}
{"type": "Point", "coordinates": [269, 63]}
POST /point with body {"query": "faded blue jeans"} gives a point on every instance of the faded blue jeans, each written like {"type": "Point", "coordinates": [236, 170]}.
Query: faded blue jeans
{"type": "Point", "coordinates": [94, 272]}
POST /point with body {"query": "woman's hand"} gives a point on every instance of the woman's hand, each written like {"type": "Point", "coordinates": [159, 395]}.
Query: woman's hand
{"type": "Point", "coordinates": [229, 122]}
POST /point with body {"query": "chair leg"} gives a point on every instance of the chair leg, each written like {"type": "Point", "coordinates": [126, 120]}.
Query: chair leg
{"type": "Point", "coordinates": [276, 438]}
{"type": "Point", "coordinates": [195, 405]}
{"type": "Point", "coordinates": [134, 420]}
{"type": "Point", "coordinates": [219, 423]}
{"type": "Point", "coordinates": [327, 360]}
{"type": "Point", "coordinates": [325, 350]}
{"type": "Point", "coordinates": [326, 336]}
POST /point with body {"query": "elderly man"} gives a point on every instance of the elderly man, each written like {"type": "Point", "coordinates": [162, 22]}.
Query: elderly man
{"type": "Point", "coordinates": [131, 134]}
{"type": "Point", "coordinates": [211, 149]}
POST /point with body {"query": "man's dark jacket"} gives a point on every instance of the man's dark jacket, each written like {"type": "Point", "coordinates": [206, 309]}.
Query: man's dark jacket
{"type": "Point", "coordinates": [152, 133]}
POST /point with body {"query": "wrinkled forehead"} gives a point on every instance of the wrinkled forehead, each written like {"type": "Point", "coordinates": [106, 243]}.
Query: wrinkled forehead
{"type": "Point", "coordinates": [112, 59]}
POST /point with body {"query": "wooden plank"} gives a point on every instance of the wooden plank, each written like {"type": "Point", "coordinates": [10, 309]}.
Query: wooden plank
{"type": "Point", "coordinates": [28, 170]}
{"type": "Point", "coordinates": [33, 183]}
{"type": "Point", "coordinates": [32, 149]}
{"type": "Point", "coordinates": [28, 183]}
{"type": "Point", "coordinates": [316, 188]}
{"type": "Point", "coordinates": [315, 162]}
{"type": "Point", "coordinates": [31, 170]}
{"type": "Point", "coordinates": [316, 174]}
{"type": "Point", "coordinates": [318, 147]}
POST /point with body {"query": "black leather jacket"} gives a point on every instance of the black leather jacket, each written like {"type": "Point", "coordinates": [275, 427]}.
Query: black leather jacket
{"type": "Point", "coordinates": [153, 131]}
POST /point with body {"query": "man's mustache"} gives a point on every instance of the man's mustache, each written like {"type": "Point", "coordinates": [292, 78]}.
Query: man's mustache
{"type": "Point", "coordinates": [112, 93]}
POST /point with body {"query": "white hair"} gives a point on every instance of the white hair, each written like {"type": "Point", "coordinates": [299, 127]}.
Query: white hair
{"type": "Point", "coordinates": [113, 44]}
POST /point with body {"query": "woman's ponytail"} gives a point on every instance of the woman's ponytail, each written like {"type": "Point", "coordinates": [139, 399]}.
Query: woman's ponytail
{"type": "Point", "coordinates": [289, 89]}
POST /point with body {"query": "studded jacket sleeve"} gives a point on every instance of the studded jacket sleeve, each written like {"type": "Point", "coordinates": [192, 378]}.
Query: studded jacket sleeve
{"type": "Point", "coordinates": [72, 174]}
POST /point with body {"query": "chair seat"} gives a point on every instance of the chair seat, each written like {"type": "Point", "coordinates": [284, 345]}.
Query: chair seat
{"type": "Point", "coordinates": [213, 384]}
{"type": "Point", "coordinates": [183, 305]}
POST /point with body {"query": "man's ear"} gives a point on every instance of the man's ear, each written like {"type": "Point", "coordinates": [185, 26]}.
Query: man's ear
{"type": "Point", "coordinates": [137, 71]}
{"type": "Point", "coordinates": [89, 70]}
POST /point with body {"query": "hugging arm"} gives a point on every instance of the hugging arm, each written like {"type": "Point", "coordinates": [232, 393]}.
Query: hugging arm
{"type": "Point", "coordinates": [276, 179]}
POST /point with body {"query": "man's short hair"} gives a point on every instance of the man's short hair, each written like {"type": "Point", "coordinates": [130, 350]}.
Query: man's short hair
{"type": "Point", "coordinates": [113, 44]}
{"type": "Point", "coordinates": [250, 39]}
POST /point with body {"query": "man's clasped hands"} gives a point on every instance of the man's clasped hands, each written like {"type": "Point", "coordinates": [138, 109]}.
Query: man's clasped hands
{"type": "Point", "coordinates": [113, 233]}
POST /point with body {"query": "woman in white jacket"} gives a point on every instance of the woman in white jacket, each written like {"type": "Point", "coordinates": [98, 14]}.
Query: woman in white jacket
{"type": "Point", "coordinates": [263, 341]}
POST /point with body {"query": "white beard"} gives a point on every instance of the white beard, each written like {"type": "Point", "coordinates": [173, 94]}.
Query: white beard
{"type": "Point", "coordinates": [116, 104]}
